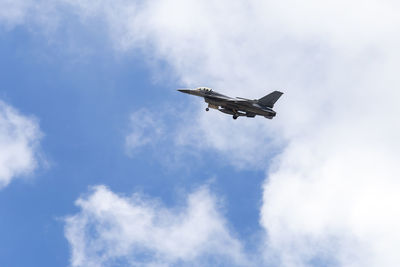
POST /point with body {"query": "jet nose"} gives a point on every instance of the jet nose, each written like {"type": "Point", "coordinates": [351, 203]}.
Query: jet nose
{"type": "Point", "coordinates": [186, 91]}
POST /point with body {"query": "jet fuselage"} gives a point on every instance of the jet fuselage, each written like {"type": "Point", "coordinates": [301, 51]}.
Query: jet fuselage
{"type": "Point", "coordinates": [237, 106]}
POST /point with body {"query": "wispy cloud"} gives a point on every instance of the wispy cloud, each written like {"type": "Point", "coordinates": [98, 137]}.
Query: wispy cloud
{"type": "Point", "coordinates": [144, 128]}
{"type": "Point", "coordinates": [19, 144]}
{"type": "Point", "coordinates": [111, 230]}
{"type": "Point", "coordinates": [14, 12]}
{"type": "Point", "coordinates": [32, 14]}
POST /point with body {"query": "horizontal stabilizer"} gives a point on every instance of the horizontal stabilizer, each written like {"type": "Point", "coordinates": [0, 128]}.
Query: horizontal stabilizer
{"type": "Point", "coordinates": [270, 99]}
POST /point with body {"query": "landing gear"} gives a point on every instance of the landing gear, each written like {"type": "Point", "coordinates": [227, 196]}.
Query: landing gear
{"type": "Point", "coordinates": [207, 109]}
{"type": "Point", "coordinates": [234, 117]}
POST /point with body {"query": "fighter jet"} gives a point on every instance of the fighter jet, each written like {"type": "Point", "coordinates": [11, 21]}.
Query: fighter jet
{"type": "Point", "coordinates": [237, 106]}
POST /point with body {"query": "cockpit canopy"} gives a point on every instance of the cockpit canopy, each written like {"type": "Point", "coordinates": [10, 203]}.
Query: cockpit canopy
{"type": "Point", "coordinates": [204, 89]}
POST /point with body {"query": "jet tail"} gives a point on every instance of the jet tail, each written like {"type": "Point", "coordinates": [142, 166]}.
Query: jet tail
{"type": "Point", "coordinates": [270, 99]}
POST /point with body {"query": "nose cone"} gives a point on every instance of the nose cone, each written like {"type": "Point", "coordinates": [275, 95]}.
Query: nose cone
{"type": "Point", "coordinates": [186, 91]}
{"type": "Point", "coordinates": [189, 91]}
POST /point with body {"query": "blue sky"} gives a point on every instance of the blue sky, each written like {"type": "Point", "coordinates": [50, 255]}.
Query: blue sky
{"type": "Point", "coordinates": [104, 163]}
{"type": "Point", "coordinates": [83, 107]}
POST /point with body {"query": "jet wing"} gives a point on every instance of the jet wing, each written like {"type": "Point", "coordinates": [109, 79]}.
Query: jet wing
{"type": "Point", "coordinates": [234, 102]}
{"type": "Point", "coordinates": [241, 102]}
{"type": "Point", "coordinates": [230, 99]}
{"type": "Point", "coordinates": [220, 97]}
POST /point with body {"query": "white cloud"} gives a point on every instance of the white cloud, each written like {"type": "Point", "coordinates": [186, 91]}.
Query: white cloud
{"type": "Point", "coordinates": [330, 195]}
{"type": "Point", "coordinates": [19, 140]}
{"type": "Point", "coordinates": [333, 196]}
{"type": "Point", "coordinates": [111, 230]}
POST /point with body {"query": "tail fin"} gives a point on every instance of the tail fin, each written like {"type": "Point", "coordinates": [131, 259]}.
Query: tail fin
{"type": "Point", "coordinates": [270, 99]}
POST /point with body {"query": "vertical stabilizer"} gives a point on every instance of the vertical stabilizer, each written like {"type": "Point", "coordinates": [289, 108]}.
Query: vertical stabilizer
{"type": "Point", "coordinates": [270, 99]}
